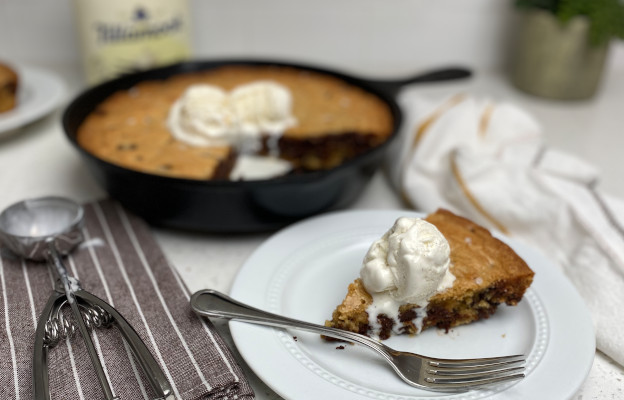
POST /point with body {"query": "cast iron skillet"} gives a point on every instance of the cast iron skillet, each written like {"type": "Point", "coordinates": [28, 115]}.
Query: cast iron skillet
{"type": "Point", "coordinates": [241, 206]}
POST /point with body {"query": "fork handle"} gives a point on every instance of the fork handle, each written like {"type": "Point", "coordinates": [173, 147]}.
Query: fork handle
{"type": "Point", "coordinates": [211, 303]}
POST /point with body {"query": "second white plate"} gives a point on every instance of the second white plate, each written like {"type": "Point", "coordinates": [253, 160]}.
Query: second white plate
{"type": "Point", "coordinates": [39, 92]}
{"type": "Point", "coordinates": [303, 272]}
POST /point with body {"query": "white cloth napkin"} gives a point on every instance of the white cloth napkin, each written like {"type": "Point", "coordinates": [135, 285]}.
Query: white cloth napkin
{"type": "Point", "coordinates": [487, 161]}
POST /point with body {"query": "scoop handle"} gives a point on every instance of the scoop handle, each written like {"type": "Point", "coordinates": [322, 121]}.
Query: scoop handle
{"type": "Point", "coordinates": [69, 291]}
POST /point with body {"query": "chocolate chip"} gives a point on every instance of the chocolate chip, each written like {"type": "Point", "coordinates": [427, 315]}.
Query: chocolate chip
{"type": "Point", "coordinates": [127, 146]}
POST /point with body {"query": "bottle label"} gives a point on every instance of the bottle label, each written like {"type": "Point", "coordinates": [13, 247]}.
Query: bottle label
{"type": "Point", "coordinates": [125, 36]}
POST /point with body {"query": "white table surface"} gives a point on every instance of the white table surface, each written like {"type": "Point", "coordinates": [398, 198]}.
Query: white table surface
{"type": "Point", "coordinates": [37, 160]}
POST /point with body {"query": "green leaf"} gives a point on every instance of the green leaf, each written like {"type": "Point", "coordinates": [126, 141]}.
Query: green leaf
{"type": "Point", "coordinates": [606, 17]}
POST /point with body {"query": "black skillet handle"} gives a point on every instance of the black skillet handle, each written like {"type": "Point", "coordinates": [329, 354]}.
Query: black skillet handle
{"type": "Point", "coordinates": [392, 87]}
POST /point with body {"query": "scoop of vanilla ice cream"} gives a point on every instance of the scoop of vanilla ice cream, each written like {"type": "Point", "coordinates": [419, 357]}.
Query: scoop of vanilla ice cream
{"type": "Point", "coordinates": [201, 117]}
{"type": "Point", "coordinates": [410, 262]}
{"type": "Point", "coordinates": [262, 107]}
{"type": "Point", "coordinates": [206, 115]}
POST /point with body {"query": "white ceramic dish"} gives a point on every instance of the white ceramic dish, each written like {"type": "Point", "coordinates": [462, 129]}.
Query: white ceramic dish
{"type": "Point", "coordinates": [39, 92]}
{"type": "Point", "coordinates": [303, 272]}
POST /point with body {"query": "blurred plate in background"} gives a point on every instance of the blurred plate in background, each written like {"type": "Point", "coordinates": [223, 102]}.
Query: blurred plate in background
{"type": "Point", "coordinates": [39, 92]}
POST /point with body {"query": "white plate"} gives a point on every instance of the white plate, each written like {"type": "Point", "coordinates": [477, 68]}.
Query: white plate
{"type": "Point", "coordinates": [39, 92]}
{"type": "Point", "coordinates": [303, 272]}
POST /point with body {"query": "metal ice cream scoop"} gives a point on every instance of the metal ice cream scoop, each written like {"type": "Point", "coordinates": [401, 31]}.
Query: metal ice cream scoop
{"type": "Point", "coordinates": [48, 228]}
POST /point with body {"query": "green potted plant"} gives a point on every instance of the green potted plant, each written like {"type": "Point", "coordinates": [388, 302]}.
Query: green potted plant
{"type": "Point", "coordinates": [562, 45]}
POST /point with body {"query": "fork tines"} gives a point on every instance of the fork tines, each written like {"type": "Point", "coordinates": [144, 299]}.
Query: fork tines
{"type": "Point", "coordinates": [474, 372]}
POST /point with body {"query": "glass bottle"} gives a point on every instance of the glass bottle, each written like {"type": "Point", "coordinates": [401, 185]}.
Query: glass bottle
{"type": "Point", "coordinates": [124, 36]}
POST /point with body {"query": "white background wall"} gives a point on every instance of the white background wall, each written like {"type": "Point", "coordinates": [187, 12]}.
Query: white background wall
{"type": "Point", "coordinates": [371, 37]}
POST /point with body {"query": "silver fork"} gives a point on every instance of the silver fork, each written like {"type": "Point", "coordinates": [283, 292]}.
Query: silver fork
{"type": "Point", "coordinates": [445, 375]}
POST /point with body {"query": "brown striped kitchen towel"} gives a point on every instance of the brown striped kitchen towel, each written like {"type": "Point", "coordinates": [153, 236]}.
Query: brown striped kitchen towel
{"type": "Point", "coordinates": [121, 263]}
